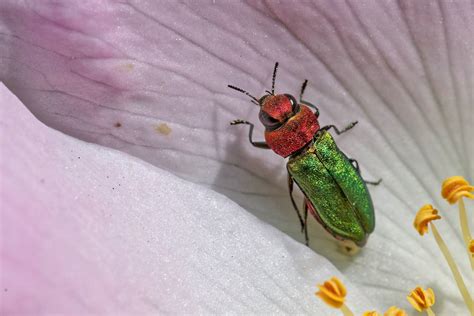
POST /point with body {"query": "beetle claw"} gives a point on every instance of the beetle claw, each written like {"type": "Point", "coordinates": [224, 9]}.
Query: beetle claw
{"type": "Point", "coordinates": [374, 182]}
{"type": "Point", "coordinates": [236, 122]}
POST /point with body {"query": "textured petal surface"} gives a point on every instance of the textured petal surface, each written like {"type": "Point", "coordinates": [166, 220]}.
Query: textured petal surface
{"type": "Point", "coordinates": [114, 73]}
{"type": "Point", "coordinates": [86, 229]}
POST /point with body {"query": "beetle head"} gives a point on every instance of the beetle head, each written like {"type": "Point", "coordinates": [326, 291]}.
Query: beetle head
{"type": "Point", "coordinates": [276, 109]}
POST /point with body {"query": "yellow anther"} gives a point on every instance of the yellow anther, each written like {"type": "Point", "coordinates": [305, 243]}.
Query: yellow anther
{"type": "Point", "coordinates": [454, 188]}
{"type": "Point", "coordinates": [471, 248]}
{"type": "Point", "coordinates": [332, 292]}
{"type": "Point", "coordinates": [421, 299]}
{"type": "Point", "coordinates": [371, 313]}
{"type": "Point", "coordinates": [395, 311]}
{"type": "Point", "coordinates": [425, 215]}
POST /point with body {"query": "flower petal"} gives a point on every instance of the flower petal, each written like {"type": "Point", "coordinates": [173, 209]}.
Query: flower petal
{"type": "Point", "coordinates": [86, 229]}
{"type": "Point", "coordinates": [402, 69]}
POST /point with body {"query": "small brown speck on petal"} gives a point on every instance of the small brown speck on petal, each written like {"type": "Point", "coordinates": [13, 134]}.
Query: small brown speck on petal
{"type": "Point", "coordinates": [126, 67]}
{"type": "Point", "coordinates": [163, 128]}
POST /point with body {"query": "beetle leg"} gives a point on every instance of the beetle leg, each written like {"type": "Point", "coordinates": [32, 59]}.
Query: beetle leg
{"type": "Point", "coordinates": [316, 110]}
{"type": "Point", "coordinates": [290, 189]}
{"type": "Point", "coordinates": [374, 182]}
{"type": "Point", "coordinates": [303, 87]}
{"type": "Point", "coordinates": [306, 238]}
{"type": "Point", "coordinates": [339, 132]}
{"type": "Point", "coordinates": [262, 145]}
{"type": "Point", "coordinates": [356, 165]}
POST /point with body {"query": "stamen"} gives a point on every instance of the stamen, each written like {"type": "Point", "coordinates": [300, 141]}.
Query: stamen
{"type": "Point", "coordinates": [395, 311]}
{"type": "Point", "coordinates": [422, 300]}
{"type": "Point", "coordinates": [371, 313]}
{"type": "Point", "coordinates": [425, 215]}
{"type": "Point", "coordinates": [454, 188]}
{"type": "Point", "coordinates": [333, 292]}
{"type": "Point", "coordinates": [454, 269]}
{"type": "Point", "coordinates": [471, 248]}
{"type": "Point", "coordinates": [466, 232]}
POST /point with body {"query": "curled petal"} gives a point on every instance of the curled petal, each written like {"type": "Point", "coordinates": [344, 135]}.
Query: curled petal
{"type": "Point", "coordinates": [421, 299]}
{"type": "Point", "coordinates": [332, 292]}
{"type": "Point", "coordinates": [92, 231]}
{"type": "Point", "coordinates": [454, 188]}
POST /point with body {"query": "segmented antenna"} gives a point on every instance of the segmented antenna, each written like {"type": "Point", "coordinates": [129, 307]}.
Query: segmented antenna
{"type": "Point", "coordinates": [273, 78]}
{"type": "Point", "coordinates": [303, 87]}
{"type": "Point", "coordinates": [254, 99]}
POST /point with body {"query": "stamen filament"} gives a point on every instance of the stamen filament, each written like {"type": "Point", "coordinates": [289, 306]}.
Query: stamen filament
{"type": "Point", "coordinates": [430, 312]}
{"type": "Point", "coordinates": [466, 233]}
{"type": "Point", "coordinates": [346, 311]}
{"type": "Point", "coordinates": [454, 269]}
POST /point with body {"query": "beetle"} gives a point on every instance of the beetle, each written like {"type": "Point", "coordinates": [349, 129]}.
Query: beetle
{"type": "Point", "coordinates": [335, 194]}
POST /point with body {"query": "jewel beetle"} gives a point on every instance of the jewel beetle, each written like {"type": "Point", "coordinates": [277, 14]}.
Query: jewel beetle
{"type": "Point", "coordinates": [335, 193]}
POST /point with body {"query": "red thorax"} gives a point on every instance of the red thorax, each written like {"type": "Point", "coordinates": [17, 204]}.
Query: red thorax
{"type": "Point", "coordinates": [295, 133]}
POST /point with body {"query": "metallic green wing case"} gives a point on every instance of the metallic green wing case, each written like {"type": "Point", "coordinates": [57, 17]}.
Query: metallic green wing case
{"type": "Point", "coordinates": [335, 189]}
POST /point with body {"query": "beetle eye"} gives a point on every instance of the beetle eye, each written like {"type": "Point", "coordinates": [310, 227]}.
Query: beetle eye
{"type": "Point", "coordinates": [268, 121]}
{"type": "Point", "coordinates": [262, 99]}
{"type": "Point", "coordinates": [294, 105]}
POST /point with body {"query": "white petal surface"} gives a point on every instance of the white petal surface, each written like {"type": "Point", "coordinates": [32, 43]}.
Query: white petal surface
{"type": "Point", "coordinates": [85, 229]}
{"type": "Point", "coordinates": [111, 73]}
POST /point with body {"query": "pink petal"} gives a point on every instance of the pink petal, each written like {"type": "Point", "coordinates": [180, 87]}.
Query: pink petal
{"type": "Point", "coordinates": [403, 69]}
{"type": "Point", "coordinates": [88, 230]}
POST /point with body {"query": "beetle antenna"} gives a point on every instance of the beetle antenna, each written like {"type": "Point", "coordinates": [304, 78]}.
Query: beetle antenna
{"type": "Point", "coordinates": [303, 87]}
{"type": "Point", "coordinates": [244, 92]}
{"type": "Point", "coordinates": [273, 77]}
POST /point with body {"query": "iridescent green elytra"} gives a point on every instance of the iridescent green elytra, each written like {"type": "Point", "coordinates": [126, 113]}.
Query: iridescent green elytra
{"type": "Point", "coordinates": [335, 189]}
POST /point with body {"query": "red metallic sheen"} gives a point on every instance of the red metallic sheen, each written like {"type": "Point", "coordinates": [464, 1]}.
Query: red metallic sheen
{"type": "Point", "coordinates": [298, 131]}
{"type": "Point", "coordinates": [312, 210]}
{"type": "Point", "coordinates": [278, 106]}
